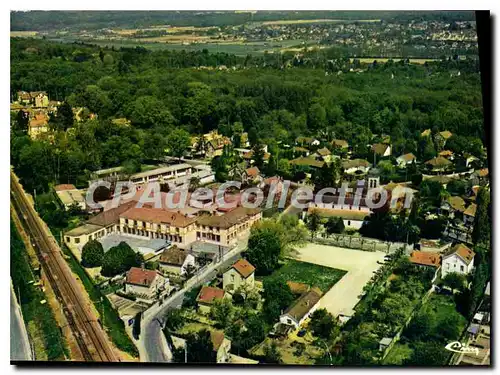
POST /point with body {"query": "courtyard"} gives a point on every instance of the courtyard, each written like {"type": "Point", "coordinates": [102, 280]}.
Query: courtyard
{"type": "Point", "coordinates": [360, 266]}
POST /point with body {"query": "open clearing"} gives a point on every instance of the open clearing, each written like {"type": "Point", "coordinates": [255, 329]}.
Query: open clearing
{"type": "Point", "coordinates": [360, 265]}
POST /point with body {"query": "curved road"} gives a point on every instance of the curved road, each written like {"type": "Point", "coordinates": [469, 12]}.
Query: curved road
{"type": "Point", "coordinates": [152, 343]}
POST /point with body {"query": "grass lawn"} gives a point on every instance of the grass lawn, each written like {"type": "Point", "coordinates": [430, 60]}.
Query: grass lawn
{"type": "Point", "coordinates": [398, 354]}
{"type": "Point", "coordinates": [444, 305]}
{"type": "Point", "coordinates": [309, 273]}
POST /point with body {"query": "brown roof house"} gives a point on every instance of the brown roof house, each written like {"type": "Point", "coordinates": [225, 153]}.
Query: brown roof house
{"type": "Point", "coordinates": [439, 164]}
{"type": "Point", "coordinates": [144, 283]}
{"type": "Point", "coordinates": [406, 159]}
{"type": "Point", "coordinates": [242, 273]}
{"type": "Point", "coordinates": [382, 149]}
{"type": "Point", "coordinates": [460, 260]}
{"type": "Point", "coordinates": [324, 154]}
{"type": "Point", "coordinates": [302, 308]}
{"type": "Point", "coordinates": [176, 261]}
{"type": "Point", "coordinates": [207, 296]}
{"type": "Point", "coordinates": [470, 214]}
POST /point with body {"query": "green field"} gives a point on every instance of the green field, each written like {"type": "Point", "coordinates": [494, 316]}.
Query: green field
{"type": "Point", "coordinates": [238, 49]}
{"type": "Point", "coordinates": [309, 273]}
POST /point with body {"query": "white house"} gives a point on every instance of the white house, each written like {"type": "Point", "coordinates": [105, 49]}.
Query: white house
{"type": "Point", "coordinates": [143, 282]}
{"type": "Point", "coordinates": [460, 260]}
{"type": "Point", "coordinates": [302, 308]}
{"type": "Point", "coordinates": [404, 160]}
{"type": "Point", "coordinates": [175, 260]}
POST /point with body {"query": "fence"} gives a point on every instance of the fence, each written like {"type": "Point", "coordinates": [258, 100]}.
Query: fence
{"type": "Point", "coordinates": [359, 243]}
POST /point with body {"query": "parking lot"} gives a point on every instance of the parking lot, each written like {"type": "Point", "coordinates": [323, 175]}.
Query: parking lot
{"type": "Point", "coordinates": [344, 295]}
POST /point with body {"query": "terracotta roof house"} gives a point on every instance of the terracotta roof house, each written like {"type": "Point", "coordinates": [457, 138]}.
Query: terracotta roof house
{"type": "Point", "coordinates": [426, 259]}
{"type": "Point", "coordinates": [381, 149]}
{"type": "Point", "coordinates": [207, 297]}
{"type": "Point", "coordinates": [439, 163]}
{"type": "Point", "coordinates": [252, 173]}
{"type": "Point", "coordinates": [302, 308]}
{"type": "Point", "coordinates": [175, 260]}
{"type": "Point", "coordinates": [143, 282]}
{"type": "Point", "coordinates": [460, 259]}
{"type": "Point", "coordinates": [241, 273]}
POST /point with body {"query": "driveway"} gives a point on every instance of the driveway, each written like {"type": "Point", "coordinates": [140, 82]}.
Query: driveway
{"type": "Point", "coordinates": [360, 265]}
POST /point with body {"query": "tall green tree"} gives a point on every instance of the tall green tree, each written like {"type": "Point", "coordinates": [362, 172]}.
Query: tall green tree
{"type": "Point", "coordinates": [178, 141]}
{"type": "Point", "coordinates": [92, 254]}
{"type": "Point", "coordinates": [481, 233]}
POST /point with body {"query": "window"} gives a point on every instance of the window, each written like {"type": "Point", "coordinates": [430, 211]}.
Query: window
{"type": "Point", "coordinates": [77, 240]}
{"type": "Point", "coordinates": [67, 239]}
{"type": "Point", "coordinates": [289, 321]}
{"type": "Point", "coordinates": [232, 277]}
{"type": "Point", "coordinates": [462, 268]}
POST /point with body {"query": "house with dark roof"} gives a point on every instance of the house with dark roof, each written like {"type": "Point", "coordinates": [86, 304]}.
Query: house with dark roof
{"type": "Point", "coordinates": [241, 273]}
{"type": "Point", "coordinates": [207, 296]}
{"type": "Point", "coordinates": [175, 260]}
{"type": "Point", "coordinates": [144, 283]}
{"type": "Point", "coordinates": [301, 308]}
{"type": "Point", "coordinates": [459, 259]}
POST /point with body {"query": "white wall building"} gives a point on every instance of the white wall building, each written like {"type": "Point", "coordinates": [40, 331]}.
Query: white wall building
{"type": "Point", "coordinates": [459, 260]}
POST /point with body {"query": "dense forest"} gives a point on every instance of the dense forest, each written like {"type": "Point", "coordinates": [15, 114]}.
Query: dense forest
{"type": "Point", "coordinates": [88, 20]}
{"type": "Point", "coordinates": [274, 98]}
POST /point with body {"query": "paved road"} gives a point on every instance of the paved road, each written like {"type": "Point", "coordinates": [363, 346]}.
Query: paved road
{"type": "Point", "coordinates": [20, 349]}
{"type": "Point", "coordinates": [360, 265]}
{"type": "Point", "coordinates": [151, 344]}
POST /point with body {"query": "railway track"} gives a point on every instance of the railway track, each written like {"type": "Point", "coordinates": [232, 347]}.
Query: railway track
{"type": "Point", "coordinates": [89, 335]}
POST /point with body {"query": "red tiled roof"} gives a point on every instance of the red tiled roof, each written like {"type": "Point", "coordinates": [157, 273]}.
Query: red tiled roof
{"type": "Point", "coordinates": [233, 217]}
{"type": "Point", "coordinates": [63, 187]}
{"type": "Point", "coordinates": [208, 294]}
{"type": "Point", "coordinates": [244, 267]}
{"type": "Point", "coordinates": [139, 276]}
{"type": "Point", "coordinates": [153, 215]}
{"type": "Point", "coordinates": [463, 252]}
{"type": "Point", "coordinates": [426, 258]}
